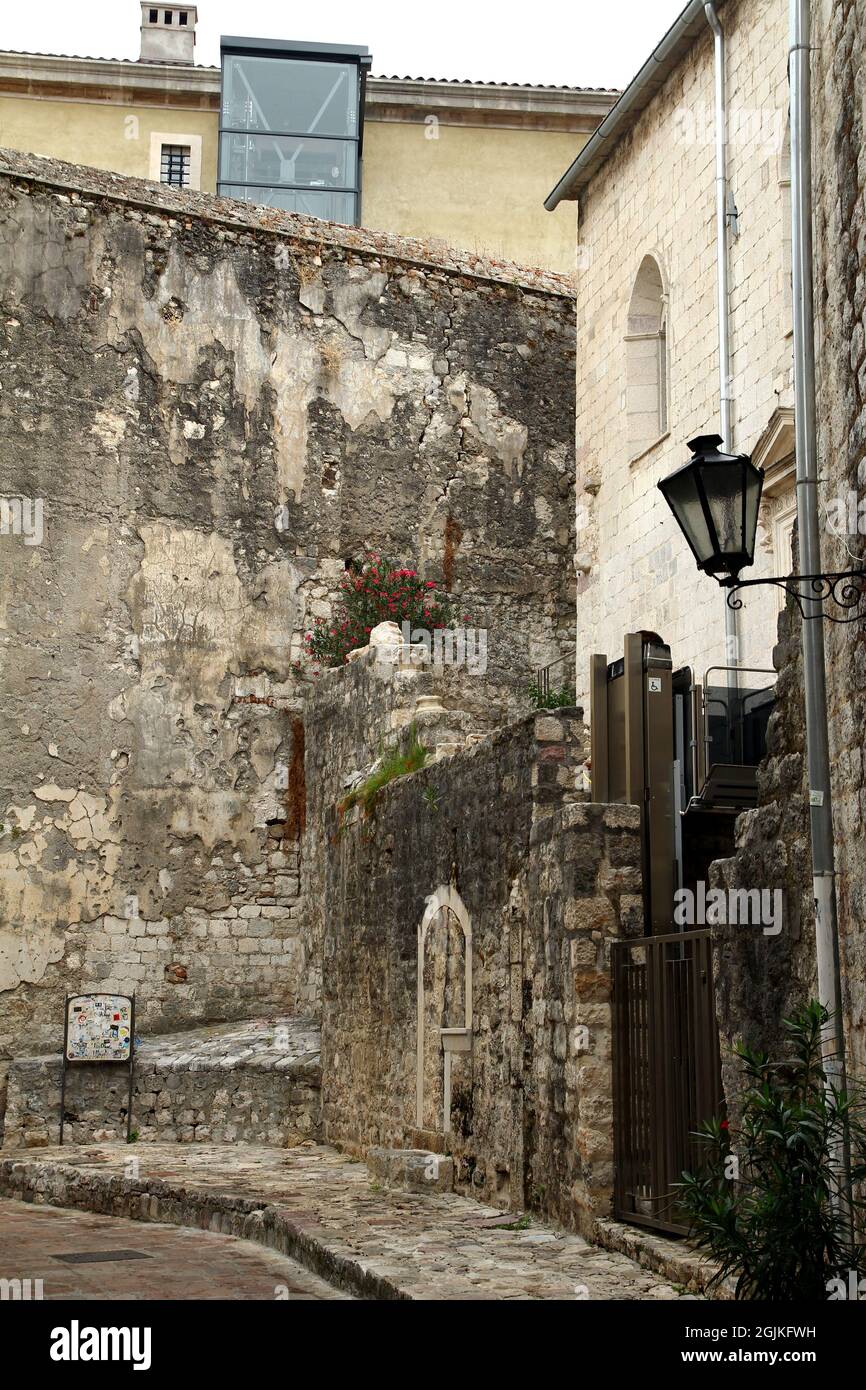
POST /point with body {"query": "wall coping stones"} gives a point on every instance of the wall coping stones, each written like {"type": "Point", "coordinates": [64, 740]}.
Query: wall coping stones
{"type": "Point", "coordinates": [257, 1081]}
{"type": "Point", "coordinates": [187, 203]}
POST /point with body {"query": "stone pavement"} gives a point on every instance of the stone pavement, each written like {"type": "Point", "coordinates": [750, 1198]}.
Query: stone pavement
{"type": "Point", "coordinates": [322, 1208]}
{"type": "Point", "coordinates": [178, 1263]}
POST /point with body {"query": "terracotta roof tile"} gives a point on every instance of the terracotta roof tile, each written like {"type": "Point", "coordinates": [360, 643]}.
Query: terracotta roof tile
{"type": "Point", "coordinates": [380, 77]}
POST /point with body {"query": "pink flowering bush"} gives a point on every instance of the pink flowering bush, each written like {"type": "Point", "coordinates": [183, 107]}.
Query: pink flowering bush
{"type": "Point", "coordinates": [376, 591]}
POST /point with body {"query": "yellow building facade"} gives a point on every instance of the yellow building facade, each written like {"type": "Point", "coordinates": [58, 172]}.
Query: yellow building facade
{"type": "Point", "coordinates": [465, 163]}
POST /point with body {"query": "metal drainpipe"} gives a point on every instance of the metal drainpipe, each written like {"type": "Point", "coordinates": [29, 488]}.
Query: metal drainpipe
{"type": "Point", "coordinates": [814, 671]}
{"type": "Point", "coordinates": [732, 640]}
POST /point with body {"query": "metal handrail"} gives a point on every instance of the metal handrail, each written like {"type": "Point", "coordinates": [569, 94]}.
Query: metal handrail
{"type": "Point", "coordinates": [747, 670]}
{"type": "Point", "coordinates": [542, 673]}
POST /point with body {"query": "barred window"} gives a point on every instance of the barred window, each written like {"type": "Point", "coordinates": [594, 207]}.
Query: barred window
{"type": "Point", "coordinates": [174, 165]}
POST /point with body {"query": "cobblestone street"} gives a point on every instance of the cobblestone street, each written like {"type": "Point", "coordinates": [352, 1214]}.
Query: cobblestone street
{"type": "Point", "coordinates": [136, 1261]}
{"type": "Point", "coordinates": [315, 1203]}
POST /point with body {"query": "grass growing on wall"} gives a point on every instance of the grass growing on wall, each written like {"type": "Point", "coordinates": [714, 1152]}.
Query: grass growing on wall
{"type": "Point", "coordinates": [397, 762]}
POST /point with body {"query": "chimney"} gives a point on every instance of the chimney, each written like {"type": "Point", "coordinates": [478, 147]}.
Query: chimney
{"type": "Point", "coordinates": [167, 33]}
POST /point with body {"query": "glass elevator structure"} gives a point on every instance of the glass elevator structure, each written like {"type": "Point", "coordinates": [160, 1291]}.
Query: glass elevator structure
{"type": "Point", "coordinates": [292, 125]}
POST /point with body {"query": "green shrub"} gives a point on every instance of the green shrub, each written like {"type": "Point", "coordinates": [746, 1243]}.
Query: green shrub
{"type": "Point", "coordinates": [766, 1203]}
{"type": "Point", "coordinates": [551, 699]}
{"type": "Point", "coordinates": [376, 590]}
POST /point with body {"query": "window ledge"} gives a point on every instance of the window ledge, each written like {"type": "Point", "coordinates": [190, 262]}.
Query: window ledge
{"type": "Point", "coordinates": [644, 453]}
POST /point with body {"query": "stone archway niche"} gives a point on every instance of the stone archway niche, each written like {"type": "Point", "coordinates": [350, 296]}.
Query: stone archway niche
{"type": "Point", "coordinates": [445, 905]}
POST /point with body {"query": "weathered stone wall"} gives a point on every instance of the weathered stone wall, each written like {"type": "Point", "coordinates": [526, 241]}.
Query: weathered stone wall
{"type": "Point", "coordinates": [216, 409]}
{"type": "Point", "coordinates": [584, 892]}
{"type": "Point", "coordinates": [760, 979]}
{"type": "Point", "coordinates": [839, 77]}
{"type": "Point", "coordinates": [359, 711]}
{"type": "Point", "coordinates": [257, 1083]}
{"type": "Point", "coordinates": [546, 881]}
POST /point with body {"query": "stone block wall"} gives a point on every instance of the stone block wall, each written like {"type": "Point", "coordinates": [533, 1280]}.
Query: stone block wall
{"type": "Point", "coordinates": [583, 893]}
{"type": "Point", "coordinates": [353, 715]}
{"type": "Point", "coordinates": [257, 1084]}
{"type": "Point", "coordinates": [217, 406]}
{"type": "Point", "coordinates": [759, 979]}
{"type": "Point", "coordinates": [546, 881]}
{"type": "Point", "coordinates": [839, 87]}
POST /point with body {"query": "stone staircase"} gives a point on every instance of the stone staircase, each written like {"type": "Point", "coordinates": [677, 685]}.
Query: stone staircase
{"type": "Point", "coordinates": [251, 1082]}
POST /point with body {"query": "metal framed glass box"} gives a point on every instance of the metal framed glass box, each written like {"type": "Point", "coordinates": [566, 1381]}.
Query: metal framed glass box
{"type": "Point", "coordinates": [291, 126]}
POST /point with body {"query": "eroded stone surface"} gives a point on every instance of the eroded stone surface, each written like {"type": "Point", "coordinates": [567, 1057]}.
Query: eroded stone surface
{"type": "Point", "coordinates": [249, 398]}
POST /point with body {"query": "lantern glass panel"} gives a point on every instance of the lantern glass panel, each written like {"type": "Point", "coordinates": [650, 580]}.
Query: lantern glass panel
{"type": "Point", "coordinates": [684, 497]}
{"type": "Point", "coordinates": [754, 484]}
{"type": "Point", "coordinates": [723, 485]}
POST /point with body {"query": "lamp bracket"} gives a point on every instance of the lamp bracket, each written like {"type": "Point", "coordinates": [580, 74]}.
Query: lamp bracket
{"type": "Point", "coordinates": [846, 590]}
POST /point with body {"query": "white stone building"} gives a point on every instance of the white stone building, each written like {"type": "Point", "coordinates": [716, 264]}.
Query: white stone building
{"type": "Point", "coordinates": [647, 333]}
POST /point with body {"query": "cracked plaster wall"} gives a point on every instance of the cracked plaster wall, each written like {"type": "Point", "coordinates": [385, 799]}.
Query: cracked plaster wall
{"type": "Point", "coordinates": [215, 417]}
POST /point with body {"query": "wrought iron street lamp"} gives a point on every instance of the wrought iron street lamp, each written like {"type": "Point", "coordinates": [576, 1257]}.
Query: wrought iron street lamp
{"type": "Point", "coordinates": [715, 499]}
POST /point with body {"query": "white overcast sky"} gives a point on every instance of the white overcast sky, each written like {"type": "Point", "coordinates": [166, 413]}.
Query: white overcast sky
{"type": "Point", "coordinates": [587, 43]}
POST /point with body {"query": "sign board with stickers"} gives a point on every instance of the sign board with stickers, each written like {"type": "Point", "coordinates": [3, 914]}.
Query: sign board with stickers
{"type": "Point", "coordinates": [98, 1028]}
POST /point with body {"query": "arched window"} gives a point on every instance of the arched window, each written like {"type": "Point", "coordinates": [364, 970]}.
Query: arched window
{"type": "Point", "coordinates": [787, 254]}
{"type": "Point", "coordinates": [647, 372]}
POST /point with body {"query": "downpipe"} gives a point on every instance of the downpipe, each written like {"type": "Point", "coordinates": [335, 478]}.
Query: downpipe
{"type": "Point", "coordinates": [732, 638]}
{"type": "Point", "coordinates": [814, 664]}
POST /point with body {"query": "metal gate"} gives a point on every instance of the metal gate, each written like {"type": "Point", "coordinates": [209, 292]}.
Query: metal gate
{"type": "Point", "coordinates": [667, 1076]}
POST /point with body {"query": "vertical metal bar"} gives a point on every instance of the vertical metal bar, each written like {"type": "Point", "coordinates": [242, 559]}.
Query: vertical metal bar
{"type": "Point", "coordinates": [645, 1076]}
{"type": "Point", "coordinates": [814, 670]}
{"type": "Point", "coordinates": [131, 1068]}
{"type": "Point", "coordinates": [659, 1075]}
{"type": "Point", "coordinates": [620, 1129]}
{"type": "Point", "coordinates": [598, 729]}
{"type": "Point", "coordinates": [698, 1039]}
{"type": "Point", "coordinates": [63, 1068]}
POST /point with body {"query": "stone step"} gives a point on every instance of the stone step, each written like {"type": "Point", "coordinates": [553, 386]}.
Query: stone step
{"type": "Point", "coordinates": [251, 1082]}
{"type": "Point", "coordinates": [416, 1170]}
